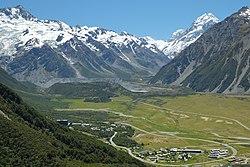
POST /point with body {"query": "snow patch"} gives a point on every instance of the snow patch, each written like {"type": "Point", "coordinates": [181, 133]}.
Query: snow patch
{"type": "Point", "coordinates": [178, 33]}
{"type": "Point", "coordinates": [131, 47]}
{"type": "Point", "coordinates": [66, 58]}
{"type": "Point", "coordinates": [124, 57]}
{"type": "Point", "coordinates": [92, 47]}
{"type": "Point", "coordinates": [160, 44]}
{"type": "Point", "coordinates": [246, 13]}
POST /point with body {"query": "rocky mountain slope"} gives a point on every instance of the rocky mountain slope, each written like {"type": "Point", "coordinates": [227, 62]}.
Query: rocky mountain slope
{"type": "Point", "coordinates": [183, 38]}
{"type": "Point", "coordinates": [41, 50]}
{"type": "Point", "coordinates": [217, 62]}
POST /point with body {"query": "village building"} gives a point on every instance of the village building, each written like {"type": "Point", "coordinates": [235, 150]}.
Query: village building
{"type": "Point", "coordinates": [76, 124]}
{"type": "Point", "coordinates": [153, 158]}
{"type": "Point", "coordinates": [217, 153]}
{"type": "Point", "coordinates": [84, 124]}
{"type": "Point", "coordinates": [63, 122]}
{"type": "Point", "coordinates": [144, 152]}
{"type": "Point", "coordinates": [191, 151]}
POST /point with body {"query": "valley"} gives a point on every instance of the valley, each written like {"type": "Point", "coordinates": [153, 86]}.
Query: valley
{"type": "Point", "coordinates": [90, 96]}
{"type": "Point", "coordinates": [191, 121]}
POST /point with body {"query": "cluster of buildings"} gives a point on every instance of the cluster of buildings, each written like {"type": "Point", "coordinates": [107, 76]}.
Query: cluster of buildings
{"type": "Point", "coordinates": [170, 155]}
{"type": "Point", "coordinates": [164, 154]}
{"type": "Point", "coordinates": [237, 160]}
{"type": "Point", "coordinates": [67, 123]}
{"type": "Point", "coordinates": [108, 128]}
{"type": "Point", "coordinates": [103, 128]}
{"type": "Point", "coordinates": [218, 153]}
{"type": "Point", "coordinates": [185, 150]}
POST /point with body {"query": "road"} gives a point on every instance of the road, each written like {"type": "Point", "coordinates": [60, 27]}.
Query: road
{"type": "Point", "coordinates": [187, 138]}
{"type": "Point", "coordinates": [131, 154]}
{"type": "Point", "coordinates": [152, 133]}
{"type": "Point", "coordinates": [111, 140]}
{"type": "Point", "coordinates": [229, 137]}
{"type": "Point", "coordinates": [82, 109]}
{"type": "Point", "coordinates": [234, 151]}
{"type": "Point", "coordinates": [129, 150]}
{"type": "Point", "coordinates": [234, 120]}
{"type": "Point", "coordinates": [105, 110]}
{"type": "Point", "coordinates": [162, 108]}
{"type": "Point", "coordinates": [131, 116]}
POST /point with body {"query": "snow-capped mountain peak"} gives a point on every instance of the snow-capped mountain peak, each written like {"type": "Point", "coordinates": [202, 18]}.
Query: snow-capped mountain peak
{"type": "Point", "coordinates": [18, 12]}
{"type": "Point", "coordinates": [23, 28]}
{"type": "Point", "coordinates": [60, 50]}
{"type": "Point", "coordinates": [245, 12]}
{"type": "Point", "coordinates": [204, 22]}
{"type": "Point", "coordinates": [183, 38]}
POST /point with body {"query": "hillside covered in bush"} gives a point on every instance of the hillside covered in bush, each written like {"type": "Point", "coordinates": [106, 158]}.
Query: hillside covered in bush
{"type": "Point", "coordinates": [29, 139]}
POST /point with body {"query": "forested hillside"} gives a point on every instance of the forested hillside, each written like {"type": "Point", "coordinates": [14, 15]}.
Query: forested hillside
{"type": "Point", "coordinates": [6, 79]}
{"type": "Point", "coordinates": [29, 139]}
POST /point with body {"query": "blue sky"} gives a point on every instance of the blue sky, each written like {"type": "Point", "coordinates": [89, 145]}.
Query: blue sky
{"type": "Point", "coordinates": [155, 18]}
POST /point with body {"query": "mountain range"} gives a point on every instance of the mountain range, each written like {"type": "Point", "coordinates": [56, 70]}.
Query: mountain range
{"type": "Point", "coordinates": [41, 51]}
{"type": "Point", "coordinates": [217, 62]}
{"type": "Point", "coordinates": [183, 38]}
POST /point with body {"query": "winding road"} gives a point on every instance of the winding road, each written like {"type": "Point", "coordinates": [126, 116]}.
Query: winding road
{"type": "Point", "coordinates": [173, 134]}
{"type": "Point", "coordinates": [187, 138]}
{"type": "Point", "coordinates": [129, 150]}
{"type": "Point", "coordinates": [158, 164]}
{"type": "Point", "coordinates": [234, 120]}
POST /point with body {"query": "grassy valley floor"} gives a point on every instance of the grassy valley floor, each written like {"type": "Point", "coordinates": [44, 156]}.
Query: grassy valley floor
{"type": "Point", "coordinates": [203, 121]}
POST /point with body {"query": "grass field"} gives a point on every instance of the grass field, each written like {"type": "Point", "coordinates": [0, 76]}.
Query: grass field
{"type": "Point", "coordinates": [214, 105]}
{"type": "Point", "coordinates": [197, 114]}
{"type": "Point", "coordinates": [203, 116]}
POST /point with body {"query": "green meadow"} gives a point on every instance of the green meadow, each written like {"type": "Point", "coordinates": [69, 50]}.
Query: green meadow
{"type": "Point", "coordinates": [198, 115]}
{"type": "Point", "coordinates": [173, 121]}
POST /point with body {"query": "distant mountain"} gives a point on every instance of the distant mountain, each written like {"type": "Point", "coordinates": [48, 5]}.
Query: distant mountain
{"type": "Point", "coordinates": [183, 38]}
{"type": "Point", "coordinates": [217, 62]}
{"type": "Point", "coordinates": [29, 139]}
{"type": "Point", "coordinates": [42, 50]}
